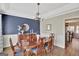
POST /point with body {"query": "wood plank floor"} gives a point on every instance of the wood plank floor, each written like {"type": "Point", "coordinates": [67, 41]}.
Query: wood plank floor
{"type": "Point", "coordinates": [71, 50]}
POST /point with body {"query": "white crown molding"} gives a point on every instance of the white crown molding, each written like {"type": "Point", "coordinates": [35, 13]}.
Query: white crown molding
{"type": "Point", "coordinates": [14, 13]}
{"type": "Point", "coordinates": [63, 10]}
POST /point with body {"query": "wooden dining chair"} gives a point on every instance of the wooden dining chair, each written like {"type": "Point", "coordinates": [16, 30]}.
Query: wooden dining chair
{"type": "Point", "coordinates": [50, 44]}
{"type": "Point", "coordinates": [16, 51]}
{"type": "Point", "coordinates": [20, 38]}
{"type": "Point", "coordinates": [28, 52]}
{"type": "Point", "coordinates": [33, 38]}
{"type": "Point", "coordinates": [40, 47]}
{"type": "Point", "coordinates": [33, 43]}
{"type": "Point", "coordinates": [12, 47]}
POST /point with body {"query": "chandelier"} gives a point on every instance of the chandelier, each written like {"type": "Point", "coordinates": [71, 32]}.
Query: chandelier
{"type": "Point", "coordinates": [37, 17]}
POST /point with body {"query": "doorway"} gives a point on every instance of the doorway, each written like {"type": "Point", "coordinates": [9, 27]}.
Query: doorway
{"type": "Point", "coordinates": [71, 31]}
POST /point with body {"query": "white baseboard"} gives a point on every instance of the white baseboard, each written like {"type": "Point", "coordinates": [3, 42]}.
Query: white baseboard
{"type": "Point", "coordinates": [59, 45]}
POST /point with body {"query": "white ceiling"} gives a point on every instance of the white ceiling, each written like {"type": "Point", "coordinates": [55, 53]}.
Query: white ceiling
{"type": "Point", "coordinates": [28, 10]}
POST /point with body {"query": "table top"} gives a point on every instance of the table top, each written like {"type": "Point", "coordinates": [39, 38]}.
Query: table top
{"type": "Point", "coordinates": [34, 45]}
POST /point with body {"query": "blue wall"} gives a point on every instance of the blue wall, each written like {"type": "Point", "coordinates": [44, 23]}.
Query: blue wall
{"type": "Point", "coordinates": [10, 23]}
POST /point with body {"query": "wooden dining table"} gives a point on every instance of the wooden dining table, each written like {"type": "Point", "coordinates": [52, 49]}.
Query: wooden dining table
{"type": "Point", "coordinates": [34, 45]}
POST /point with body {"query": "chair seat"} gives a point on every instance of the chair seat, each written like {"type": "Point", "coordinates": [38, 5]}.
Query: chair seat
{"type": "Point", "coordinates": [17, 49]}
{"type": "Point", "coordinates": [34, 50]}
{"type": "Point", "coordinates": [18, 52]}
{"type": "Point", "coordinates": [46, 47]}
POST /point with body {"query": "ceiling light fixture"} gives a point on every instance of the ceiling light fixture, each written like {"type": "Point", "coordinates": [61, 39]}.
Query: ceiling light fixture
{"type": "Point", "coordinates": [38, 14]}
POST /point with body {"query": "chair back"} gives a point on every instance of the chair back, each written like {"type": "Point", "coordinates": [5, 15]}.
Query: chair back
{"type": "Point", "coordinates": [40, 47]}
{"type": "Point", "coordinates": [12, 47]}
{"type": "Point", "coordinates": [50, 42]}
{"type": "Point", "coordinates": [41, 43]}
{"type": "Point", "coordinates": [11, 44]}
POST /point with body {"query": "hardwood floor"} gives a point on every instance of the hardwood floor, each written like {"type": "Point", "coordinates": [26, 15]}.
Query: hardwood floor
{"type": "Point", "coordinates": [71, 50]}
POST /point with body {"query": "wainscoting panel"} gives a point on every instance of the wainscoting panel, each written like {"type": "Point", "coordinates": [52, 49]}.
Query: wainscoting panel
{"type": "Point", "coordinates": [1, 44]}
{"type": "Point", "coordinates": [7, 38]}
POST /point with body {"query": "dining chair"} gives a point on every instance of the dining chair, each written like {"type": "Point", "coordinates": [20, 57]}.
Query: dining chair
{"type": "Point", "coordinates": [28, 52]}
{"type": "Point", "coordinates": [50, 44]}
{"type": "Point", "coordinates": [33, 38]}
{"type": "Point", "coordinates": [40, 47]}
{"type": "Point", "coordinates": [32, 42]}
{"type": "Point", "coordinates": [26, 40]}
{"type": "Point", "coordinates": [46, 44]}
{"type": "Point", "coordinates": [15, 49]}
{"type": "Point", "coordinates": [20, 38]}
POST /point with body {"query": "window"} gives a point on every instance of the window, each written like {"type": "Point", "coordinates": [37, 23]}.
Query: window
{"type": "Point", "coordinates": [70, 28]}
{"type": "Point", "coordinates": [77, 29]}
{"type": "Point", "coordinates": [48, 27]}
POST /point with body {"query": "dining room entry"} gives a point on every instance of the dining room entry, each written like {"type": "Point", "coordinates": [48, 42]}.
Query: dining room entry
{"type": "Point", "coordinates": [72, 32]}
